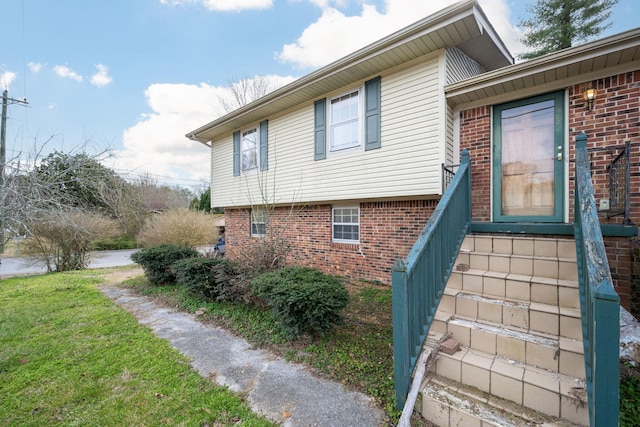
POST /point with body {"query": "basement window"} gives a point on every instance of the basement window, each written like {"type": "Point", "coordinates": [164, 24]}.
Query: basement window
{"type": "Point", "coordinates": [346, 224]}
{"type": "Point", "coordinates": [258, 227]}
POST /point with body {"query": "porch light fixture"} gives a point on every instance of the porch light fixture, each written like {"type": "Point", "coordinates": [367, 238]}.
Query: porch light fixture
{"type": "Point", "coordinates": [589, 96]}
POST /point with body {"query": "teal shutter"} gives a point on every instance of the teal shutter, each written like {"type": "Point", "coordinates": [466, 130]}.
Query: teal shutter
{"type": "Point", "coordinates": [320, 134]}
{"type": "Point", "coordinates": [236, 153]}
{"type": "Point", "coordinates": [372, 114]}
{"type": "Point", "coordinates": [264, 145]}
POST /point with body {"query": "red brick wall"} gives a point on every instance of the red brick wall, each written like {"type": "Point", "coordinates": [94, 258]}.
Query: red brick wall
{"type": "Point", "coordinates": [620, 262]}
{"type": "Point", "coordinates": [388, 230]}
{"type": "Point", "coordinates": [475, 136]}
{"type": "Point", "coordinates": [614, 120]}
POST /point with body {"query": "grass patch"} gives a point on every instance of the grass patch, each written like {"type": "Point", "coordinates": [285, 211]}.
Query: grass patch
{"type": "Point", "coordinates": [69, 356]}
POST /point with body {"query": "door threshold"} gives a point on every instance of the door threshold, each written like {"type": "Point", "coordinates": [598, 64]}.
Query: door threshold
{"type": "Point", "coordinates": [609, 230]}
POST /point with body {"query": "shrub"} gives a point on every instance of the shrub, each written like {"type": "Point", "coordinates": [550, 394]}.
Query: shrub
{"type": "Point", "coordinates": [158, 262]}
{"type": "Point", "coordinates": [214, 279]}
{"type": "Point", "coordinates": [112, 244]}
{"type": "Point", "coordinates": [179, 227]}
{"type": "Point", "coordinates": [62, 238]}
{"type": "Point", "coordinates": [305, 300]}
{"type": "Point", "coordinates": [629, 401]}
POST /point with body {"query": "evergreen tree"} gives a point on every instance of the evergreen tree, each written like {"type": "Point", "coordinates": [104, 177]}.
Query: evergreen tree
{"type": "Point", "coordinates": [559, 24]}
{"type": "Point", "coordinates": [75, 179]}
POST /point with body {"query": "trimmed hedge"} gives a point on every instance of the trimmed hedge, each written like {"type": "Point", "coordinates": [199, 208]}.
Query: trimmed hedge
{"type": "Point", "coordinates": [158, 262]}
{"type": "Point", "coordinates": [305, 300]}
{"type": "Point", "coordinates": [213, 279]}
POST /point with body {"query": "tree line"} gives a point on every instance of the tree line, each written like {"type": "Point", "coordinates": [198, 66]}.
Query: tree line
{"type": "Point", "coordinates": [63, 205]}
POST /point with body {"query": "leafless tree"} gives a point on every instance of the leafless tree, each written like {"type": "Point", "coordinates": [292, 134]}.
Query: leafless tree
{"type": "Point", "coordinates": [22, 197]}
{"type": "Point", "coordinates": [125, 205]}
{"type": "Point", "coordinates": [158, 197]}
{"type": "Point", "coordinates": [34, 203]}
{"type": "Point", "coordinates": [246, 90]}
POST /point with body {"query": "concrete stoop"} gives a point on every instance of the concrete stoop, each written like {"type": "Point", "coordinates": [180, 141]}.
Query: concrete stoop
{"type": "Point", "coordinates": [512, 304]}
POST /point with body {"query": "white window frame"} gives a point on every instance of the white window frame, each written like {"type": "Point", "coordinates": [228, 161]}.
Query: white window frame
{"type": "Point", "coordinates": [333, 123]}
{"type": "Point", "coordinates": [258, 220]}
{"type": "Point", "coordinates": [243, 134]}
{"type": "Point", "coordinates": [335, 224]}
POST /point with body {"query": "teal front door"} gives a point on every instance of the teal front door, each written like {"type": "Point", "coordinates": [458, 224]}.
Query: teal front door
{"type": "Point", "coordinates": [528, 160]}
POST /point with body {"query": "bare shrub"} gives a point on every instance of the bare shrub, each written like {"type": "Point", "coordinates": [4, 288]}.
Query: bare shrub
{"type": "Point", "coordinates": [179, 227]}
{"type": "Point", "coordinates": [62, 239]}
{"type": "Point", "coordinates": [270, 251]}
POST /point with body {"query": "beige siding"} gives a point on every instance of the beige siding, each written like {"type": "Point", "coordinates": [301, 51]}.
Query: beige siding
{"type": "Point", "coordinates": [460, 66]}
{"type": "Point", "coordinates": [449, 155]}
{"type": "Point", "coordinates": [407, 165]}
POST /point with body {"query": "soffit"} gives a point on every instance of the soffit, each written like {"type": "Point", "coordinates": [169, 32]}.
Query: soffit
{"type": "Point", "coordinates": [463, 25]}
{"type": "Point", "coordinates": [608, 56]}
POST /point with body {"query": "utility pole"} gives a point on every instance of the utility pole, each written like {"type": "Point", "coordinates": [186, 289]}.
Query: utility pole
{"type": "Point", "coordinates": [3, 151]}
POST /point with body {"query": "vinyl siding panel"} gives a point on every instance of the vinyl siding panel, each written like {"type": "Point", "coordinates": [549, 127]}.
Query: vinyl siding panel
{"type": "Point", "coordinates": [460, 66]}
{"type": "Point", "coordinates": [407, 164]}
{"type": "Point", "coordinates": [449, 153]}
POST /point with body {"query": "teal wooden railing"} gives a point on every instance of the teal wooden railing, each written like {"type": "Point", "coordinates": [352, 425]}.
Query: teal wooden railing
{"type": "Point", "coordinates": [418, 282]}
{"type": "Point", "coordinates": [599, 302]}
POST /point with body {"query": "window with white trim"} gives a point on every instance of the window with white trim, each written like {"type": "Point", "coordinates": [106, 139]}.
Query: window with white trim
{"type": "Point", "coordinates": [249, 146]}
{"type": "Point", "coordinates": [258, 225]}
{"type": "Point", "coordinates": [346, 224]}
{"type": "Point", "coordinates": [345, 128]}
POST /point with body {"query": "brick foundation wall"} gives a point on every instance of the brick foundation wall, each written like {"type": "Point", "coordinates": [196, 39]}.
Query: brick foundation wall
{"type": "Point", "coordinates": [614, 120]}
{"type": "Point", "coordinates": [388, 230]}
{"type": "Point", "coordinates": [621, 265]}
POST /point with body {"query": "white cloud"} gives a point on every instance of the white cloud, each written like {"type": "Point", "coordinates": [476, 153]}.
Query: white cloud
{"type": "Point", "coordinates": [225, 5]}
{"type": "Point", "coordinates": [35, 66]}
{"type": "Point", "coordinates": [66, 72]}
{"type": "Point", "coordinates": [500, 14]}
{"type": "Point", "coordinates": [335, 35]}
{"type": "Point", "coordinates": [156, 144]}
{"type": "Point", "coordinates": [102, 77]}
{"type": "Point", "coordinates": [6, 79]}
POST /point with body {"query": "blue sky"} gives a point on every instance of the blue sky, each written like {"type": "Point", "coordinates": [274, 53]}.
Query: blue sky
{"type": "Point", "coordinates": [133, 76]}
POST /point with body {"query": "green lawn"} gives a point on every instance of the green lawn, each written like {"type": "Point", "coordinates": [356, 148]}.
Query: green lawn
{"type": "Point", "coordinates": [69, 356]}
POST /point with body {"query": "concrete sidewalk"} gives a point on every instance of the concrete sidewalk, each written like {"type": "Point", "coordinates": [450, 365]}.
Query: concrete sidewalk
{"type": "Point", "coordinates": [283, 392]}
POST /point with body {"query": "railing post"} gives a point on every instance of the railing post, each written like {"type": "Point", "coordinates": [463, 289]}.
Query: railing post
{"type": "Point", "coordinates": [599, 303]}
{"type": "Point", "coordinates": [401, 340]}
{"type": "Point", "coordinates": [607, 355]}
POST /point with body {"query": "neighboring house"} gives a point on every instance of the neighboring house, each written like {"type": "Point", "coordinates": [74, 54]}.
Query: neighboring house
{"type": "Point", "coordinates": [348, 164]}
{"type": "Point", "coordinates": [357, 147]}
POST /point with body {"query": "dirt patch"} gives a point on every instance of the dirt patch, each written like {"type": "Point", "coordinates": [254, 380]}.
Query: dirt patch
{"type": "Point", "coordinates": [119, 275]}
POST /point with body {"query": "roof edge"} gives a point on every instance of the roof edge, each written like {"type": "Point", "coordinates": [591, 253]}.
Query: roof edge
{"type": "Point", "coordinates": [551, 60]}
{"type": "Point", "coordinates": [459, 9]}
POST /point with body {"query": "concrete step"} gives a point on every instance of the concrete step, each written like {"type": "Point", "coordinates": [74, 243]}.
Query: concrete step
{"type": "Point", "coordinates": [524, 265]}
{"type": "Point", "coordinates": [545, 290]}
{"type": "Point", "coordinates": [545, 247]}
{"type": "Point", "coordinates": [446, 403]}
{"type": "Point", "coordinates": [558, 354]}
{"type": "Point", "coordinates": [522, 316]}
{"type": "Point", "coordinates": [542, 390]}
